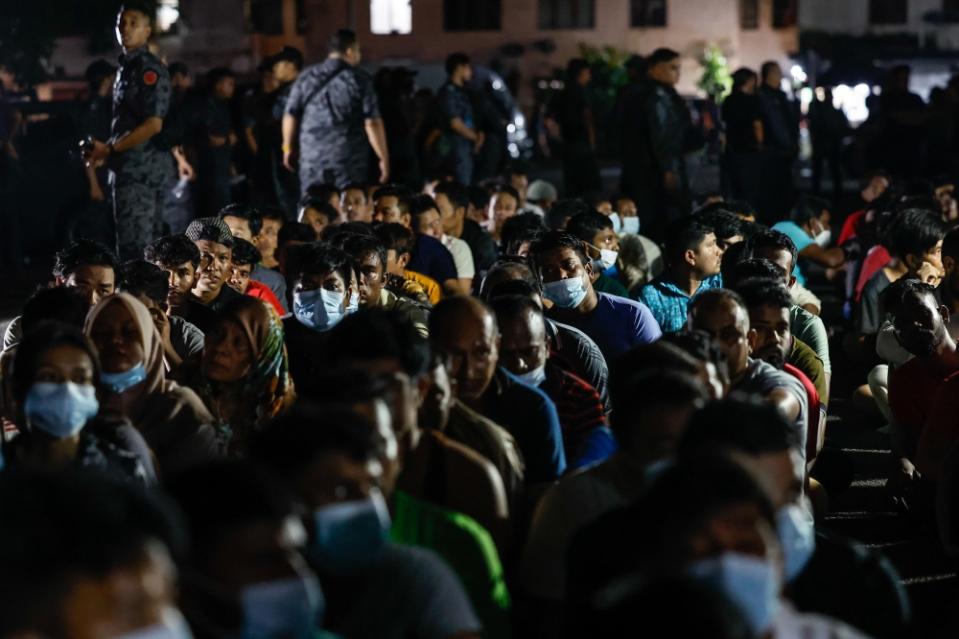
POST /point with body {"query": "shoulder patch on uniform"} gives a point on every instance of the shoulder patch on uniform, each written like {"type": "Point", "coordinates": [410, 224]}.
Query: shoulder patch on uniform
{"type": "Point", "coordinates": [150, 77]}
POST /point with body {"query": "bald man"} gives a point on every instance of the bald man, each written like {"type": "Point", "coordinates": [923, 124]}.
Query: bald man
{"type": "Point", "coordinates": [464, 329]}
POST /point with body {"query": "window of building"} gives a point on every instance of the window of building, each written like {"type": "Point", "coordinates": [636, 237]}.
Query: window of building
{"type": "Point", "coordinates": [647, 13]}
{"type": "Point", "coordinates": [749, 14]}
{"type": "Point", "coordinates": [471, 15]}
{"type": "Point", "coordinates": [567, 14]}
{"type": "Point", "coordinates": [391, 16]}
{"type": "Point", "coordinates": [888, 11]}
{"type": "Point", "coordinates": [266, 16]}
{"type": "Point", "coordinates": [785, 13]}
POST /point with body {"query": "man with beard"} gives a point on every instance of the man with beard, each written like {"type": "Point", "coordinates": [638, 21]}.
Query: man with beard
{"type": "Point", "coordinates": [920, 324]}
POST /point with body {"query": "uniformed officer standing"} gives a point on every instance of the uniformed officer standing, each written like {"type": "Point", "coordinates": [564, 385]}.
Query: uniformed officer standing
{"type": "Point", "coordinates": [331, 112]}
{"type": "Point", "coordinates": [216, 137]}
{"type": "Point", "coordinates": [141, 97]}
{"type": "Point", "coordinates": [286, 66]}
{"type": "Point", "coordinates": [457, 110]}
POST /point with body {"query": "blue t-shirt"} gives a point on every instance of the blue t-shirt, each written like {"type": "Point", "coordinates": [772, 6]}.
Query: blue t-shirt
{"type": "Point", "coordinates": [800, 238]}
{"type": "Point", "coordinates": [432, 259]}
{"type": "Point", "coordinates": [669, 304]}
{"type": "Point", "coordinates": [616, 325]}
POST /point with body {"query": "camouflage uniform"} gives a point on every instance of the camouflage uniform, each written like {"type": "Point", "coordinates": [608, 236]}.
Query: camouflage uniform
{"type": "Point", "coordinates": [454, 102]}
{"type": "Point", "coordinates": [332, 100]}
{"type": "Point", "coordinates": [141, 91]}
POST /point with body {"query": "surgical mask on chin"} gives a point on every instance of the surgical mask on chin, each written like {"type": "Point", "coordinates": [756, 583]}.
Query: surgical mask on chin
{"type": "Point", "coordinates": [60, 410]}
{"type": "Point", "coordinates": [534, 377]}
{"type": "Point", "coordinates": [288, 608]}
{"type": "Point", "coordinates": [121, 382]}
{"type": "Point", "coordinates": [171, 626]}
{"type": "Point", "coordinates": [617, 223]}
{"type": "Point", "coordinates": [797, 536]}
{"type": "Point", "coordinates": [631, 225]}
{"type": "Point", "coordinates": [349, 536]}
{"type": "Point", "coordinates": [823, 238]}
{"type": "Point", "coordinates": [318, 309]}
{"type": "Point", "coordinates": [568, 293]}
{"type": "Point", "coordinates": [750, 583]}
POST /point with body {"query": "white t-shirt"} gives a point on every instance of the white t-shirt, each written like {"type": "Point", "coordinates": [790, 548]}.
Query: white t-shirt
{"type": "Point", "coordinates": [462, 256]}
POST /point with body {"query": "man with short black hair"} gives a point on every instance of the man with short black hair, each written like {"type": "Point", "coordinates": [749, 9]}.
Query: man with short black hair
{"type": "Point", "coordinates": [316, 212]}
{"type": "Point", "coordinates": [148, 283]}
{"type": "Point", "coordinates": [616, 324]}
{"type": "Point", "coordinates": [459, 124]}
{"type": "Point", "coordinates": [245, 259]}
{"type": "Point", "coordinates": [85, 265]}
{"type": "Point", "coordinates": [425, 220]}
{"type": "Point", "coordinates": [330, 115]}
{"type": "Point", "coordinates": [452, 201]}
{"type": "Point", "coordinates": [808, 228]}
{"type": "Point", "coordinates": [215, 242]}
{"type": "Point", "coordinates": [179, 258]}
{"type": "Point", "coordinates": [598, 231]}
{"type": "Point", "coordinates": [692, 259]}
{"type": "Point", "coordinates": [355, 204]}
{"type": "Point", "coordinates": [247, 223]}
{"type": "Point", "coordinates": [503, 206]}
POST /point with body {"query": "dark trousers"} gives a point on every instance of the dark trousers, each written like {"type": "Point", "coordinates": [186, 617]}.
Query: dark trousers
{"type": "Point", "coordinates": [742, 175]}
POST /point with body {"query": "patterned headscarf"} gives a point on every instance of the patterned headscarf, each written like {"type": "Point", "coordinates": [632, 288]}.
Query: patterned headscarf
{"type": "Point", "coordinates": [269, 380]}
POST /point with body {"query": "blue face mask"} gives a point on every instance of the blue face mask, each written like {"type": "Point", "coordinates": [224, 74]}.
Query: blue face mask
{"type": "Point", "coordinates": [631, 225]}
{"type": "Point", "coordinates": [171, 626]}
{"type": "Point", "coordinates": [749, 582]}
{"type": "Point", "coordinates": [568, 293]}
{"type": "Point", "coordinates": [349, 536]}
{"type": "Point", "coordinates": [797, 536]}
{"type": "Point", "coordinates": [534, 377]}
{"type": "Point", "coordinates": [289, 608]}
{"type": "Point", "coordinates": [120, 382]}
{"type": "Point", "coordinates": [319, 309]}
{"type": "Point", "coordinates": [60, 410]}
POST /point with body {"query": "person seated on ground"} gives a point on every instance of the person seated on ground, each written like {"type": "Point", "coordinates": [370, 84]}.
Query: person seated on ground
{"type": "Point", "coordinates": [292, 236]}
{"type": "Point", "coordinates": [53, 383]}
{"type": "Point", "coordinates": [542, 194]}
{"type": "Point", "coordinates": [693, 257]}
{"type": "Point", "coordinates": [708, 517]}
{"type": "Point", "coordinates": [653, 405]}
{"type": "Point", "coordinates": [86, 556]}
{"type": "Point", "coordinates": [328, 457]}
{"type": "Point", "coordinates": [273, 222]}
{"type": "Point", "coordinates": [427, 255]}
{"type": "Point", "coordinates": [624, 210]}
{"type": "Point", "coordinates": [133, 385]}
{"type": "Point", "coordinates": [915, 238]}
{"type": "Point", "coordinates": [464, 329]}
{"type": "Point", "coordinates": [148, 283]}
{"type": "Point", "coordinates": [572, 349]}
{"type": "Point", "coordinates": [179, 258]}
{"type": "Point", "coordinates": [322, 296]}
{"type": "Point", "coordinates": [245, 257]}
{"type": "Point", "coordinates": [949, 288]}
{"type": "Point", "coordinates": [807, 326]}
{"type": "Point", "coordinates": [519, 233]}
{"type": "Point", "coordinates": [354, 204]}
{"type": "Point", "coordinates": [318, 213]}
{"type": "Point", "coordinates": [596, 230]}
{"type": "Point", "coordinates": [726, 225]}
{"type": "Point", "coordinates": [87, 266]}
{"type": "Point", "coordinates": [244, 575]}
{"type": "Point", "coordinates": [722, 314]}
{"type": "Point", "coordinates": [616, 324]}
{"type": "Point", "coordinates": [517, 175]}
{"type": "Point", "coordinates": [781, 250]}
{"type": "Point", "coordinates": [824, 573]}
{"type": "Point", "coordinates": [452, 200]}
{"type": "Point", "coordinates": [243, 376]}
{"type": "Point", "coordinates": [808, 228]}
{"type": "Point", "coordinates": [920, 325]}
{"type": "Point", "coordinates": [435, 469]}
{"type": "Point", "coordinates": [524, 351]}
{"type": "Point", "coordinates": [215, 242]}
{"type": "Point", "coordinates": [503, 204]}
{"type": "Point", "coordinates": [247, 223]}
{"type": "Point", "coordinates": [399, 241]}
{"type": "Point", "coordinates": [324, 192]}
{"type": "Point", "coordinates": [425, 220]}
{"type": "Point", "coordinates": [369, 260]}
{"type": "Point", "coordinates": [600, 202]}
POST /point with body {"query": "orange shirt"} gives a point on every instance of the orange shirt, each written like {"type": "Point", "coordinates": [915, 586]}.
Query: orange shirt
{"type": "Point", "coordinates": [432, 287]}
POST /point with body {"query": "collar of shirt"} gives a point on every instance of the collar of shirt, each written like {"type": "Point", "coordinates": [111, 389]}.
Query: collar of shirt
{"type": "Point", "coordinates": [132, 55]}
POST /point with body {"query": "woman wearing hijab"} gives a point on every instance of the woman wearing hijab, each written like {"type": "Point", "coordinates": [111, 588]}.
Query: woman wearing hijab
{"type": "Point", "coordinates": [55, 406]}
{"type": "Point", "coordinates": [244, 373]}
{"type": "Point", "coordinates": [133, 384]}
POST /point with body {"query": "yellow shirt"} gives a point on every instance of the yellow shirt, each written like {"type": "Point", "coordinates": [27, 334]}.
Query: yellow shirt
{"type": "Point", "coordinates": [431, 286]}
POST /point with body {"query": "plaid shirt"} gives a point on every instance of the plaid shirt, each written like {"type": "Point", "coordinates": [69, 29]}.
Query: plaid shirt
{"type": "Point", "coordinates": [578, 405]}
{"type": "Point", "coordinates": [669, 304]}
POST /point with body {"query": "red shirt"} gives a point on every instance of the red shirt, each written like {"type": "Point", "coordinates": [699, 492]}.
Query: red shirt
{"type": "Point", "coordinates": [849, 229]}
{"type": "Point", "coordinates": [812, 398]}
{"type": "Point", "coordinates": [261, 291]}
{"type": "Point", "coordinates": [876, 258]}
{"type": "Point", "coordinates": [578, 405]}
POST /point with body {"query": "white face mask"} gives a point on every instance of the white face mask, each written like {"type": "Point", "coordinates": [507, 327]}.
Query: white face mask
{"type": "Point", "coordinates": [823, 238]}
{"type": "Point", "coordinates": [534, 377]}
{"type": "Point", "coordinates": [631, 225]}
{"type": "Point", "coordinates": [608, 258]}
{"type": "Point", "coordinates": [617, 223]}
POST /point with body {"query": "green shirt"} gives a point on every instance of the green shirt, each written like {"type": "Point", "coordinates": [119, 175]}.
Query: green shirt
{"type": "Point", "coordinates": [610, 286]}
{"type": "Point", "coordinates": [805, 359]}
{"type": "Point", "coordinates": [810, 329]}
{"type": "Point", "coordinates": [466, 546]}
